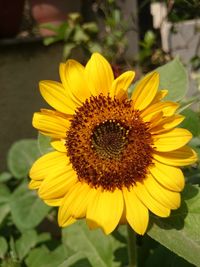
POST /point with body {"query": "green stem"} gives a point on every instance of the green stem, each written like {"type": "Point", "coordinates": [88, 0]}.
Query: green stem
{"type": "Point", "coordinates": [132, 247]}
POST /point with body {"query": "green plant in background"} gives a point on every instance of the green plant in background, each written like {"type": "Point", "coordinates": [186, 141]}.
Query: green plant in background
{"type": "Point", "coordinates": [75, 34]}
{"type": "Point", "coordinates": [150, 54]}
{"type": "Point", "coordinates": [184, 10]}
{"type": "Point", "coordinates": [113, 38]}
{"type": "Point", "coordinates": [29, 234]}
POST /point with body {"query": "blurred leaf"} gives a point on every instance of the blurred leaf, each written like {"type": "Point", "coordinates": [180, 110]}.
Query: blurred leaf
{"type": "Point", "coordinates": [94, 47]}
{"type": "Point", "coordinates": [173, 77]}
{"type": "Point", "coordinates": [50, 26]}
{"type": "Point", "coordinates": [38, 257]}
{"type": "Point", "coordinates": [5, 176]}
{"type": "Point", "coordinates": [51, 40]}
{"type": "Point", "coordinates": [3, 247]}
{"type": "Point", "coordinates": [21, 156]}
{"type": "Point", "coordinates": [4, 211]}
{"type": "Point", "coordinates": [165, 258]}
{"type": "Point", "coordinates": [180, 232]}
{"type": "Point", "coordinates": [13, 252]}
{"type": "Point", "coordinates": [90, 27]}
{"type": "Point", "coordinates": [74, 259]}
{"type": "Point", "coordinates": [67, 49]}
{"type": "Point", "coordinates": [43, 237]}
{"type": "Point", "coordinates": [117, 16]}
{"type": "Point", "coordinates": [74, 16]}
{"type": "Point", "coordinates": [94, 245]}
{"type": "Point", "coordinates": [149, 38]}
{"type": "Point", "coordinates": [42, 257]}
{"type": "Point", "coordinates": [24, 244]}
{"type": "Point", "coordinates": [8, 262]}
{"type": "Point", "coordinates": [80, 36]}
{"type": "Point", "coordinates": [26, 208]}
{"type": "Point", "coordinates": [191, 122]}
{"type": "Point", "coordinates": [4, 193]}
{"type": "Point", "coordinates": [44, 144]}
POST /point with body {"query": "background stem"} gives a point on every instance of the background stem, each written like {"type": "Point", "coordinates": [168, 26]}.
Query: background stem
{"type": "Point", "coordinates": [132, 247]}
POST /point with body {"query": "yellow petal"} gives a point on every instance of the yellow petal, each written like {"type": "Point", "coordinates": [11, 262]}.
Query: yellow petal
{"type": "Point", "coordinates": [145, 91]}
{"type": "Point", "coordinates": [34, 184]}
{"type": "Point", "coordinates": [53, 202]}
{"type": "Point", "coordinates": [106, 209]}
{"type": "Point", "coordinates": [167, 108]}
{"type": "Point", "coordinates": [137, 214]}
{"type": "Point", "coordinates": [171, 140]}
{"type": "Point", "coordinates": [165, 197]}
{"type": "Point", "coordinates": [166, 124]}
{"type": "Point", "coordinates": [69, 220]}
{"type": "Point", "coordinates": [159, 96]}
{"type": "Point", "coordinates": [56, 113]}
{"type": "Point", "coordinates": [52, 163]}
{"type": "Point", "coordinates": [55, 95]}
{"type": "Point", "coordinates": [152, 204]}
{"type": "Point", "coordinates": [56, 186]}
{"type": "Point", "coordinates": [121, 83]}
{"type": "Point", "coordinates": [50, 125]}
{"type": "Point", "coordinates": [181, 157]}
{"type": "Point", "coordinates": [74, 81]}
{"type": "Point", "coordinates": [99, 75]}
{"type": "Point", "coordinates": [76, 202]}
{"type": "Point", "coordinates": [59, 145]}
{"type": "Point", "coordinates": [168, 176]}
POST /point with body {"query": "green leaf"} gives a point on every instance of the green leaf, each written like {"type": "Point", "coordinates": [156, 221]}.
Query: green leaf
{"type": "Point", "coordinates": [44, 144]}
{"type": "Point", "coordinates": [21, 156]}
{"type": "Point", "coordinates": [43, 237]}
{"type": "Point", "coordinates": [4, 193]}
{"type": "Point", "coordinates": [42, 257]}
{"type": "Point", "coordinates": [75, 259]}
{"type": "Point", "coordinates": [24, 244]}
{"type": "Point", "coordinates": [3, 247]}
{"type": "Point", "coordinates": [165, 258]}
{"type": "Point", "coordinates": [173, 77]}
{"type": "Point", "coordinates": [80, 36]}
{"type": "Point", "coordinates": [5, 176]}
{"type": "Point", "coordinates": [67, 49]}
{"type": "Point", "coordinates": [180, 232]}
{"type": "Point", "coordinates": [94, 245]}
{"type": "Point", "coordinates": [4, 211]}
{"type": "Point", "coordinates": [38, 257]}
{"type": "Point", "coordinates": [191, 122]}
{"type": "Point", "coordinates": [26, 208]}
{"type": "Point", "coordinates": [91, 27]}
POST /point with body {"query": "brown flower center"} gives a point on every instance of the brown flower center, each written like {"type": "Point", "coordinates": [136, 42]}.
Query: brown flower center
{"type": "Point", "coordinates": [109, 139]}
{"type": "Point", "coordinates": [108, 144]}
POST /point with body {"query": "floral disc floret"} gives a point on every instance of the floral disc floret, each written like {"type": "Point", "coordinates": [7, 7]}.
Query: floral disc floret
{"type": "Point", "coordinates": [108, 144]}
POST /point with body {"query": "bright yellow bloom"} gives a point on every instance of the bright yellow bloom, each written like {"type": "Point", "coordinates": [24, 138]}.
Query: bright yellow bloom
{"type": "Point", "coordinates": [115, 158]}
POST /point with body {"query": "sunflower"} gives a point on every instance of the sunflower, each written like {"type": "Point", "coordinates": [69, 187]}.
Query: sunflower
{"type": "Point", "coordinates": [115, 158]}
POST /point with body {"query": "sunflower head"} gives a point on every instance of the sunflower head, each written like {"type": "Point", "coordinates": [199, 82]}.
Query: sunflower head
{"type": "Point", "coordinates": [116, 158]}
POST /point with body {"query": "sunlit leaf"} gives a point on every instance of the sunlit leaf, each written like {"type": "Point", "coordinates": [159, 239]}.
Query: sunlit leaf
{"type": "Point", "coordinates": [173, 77]}
{"type": "Point", "coordinates": [180, 232]}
